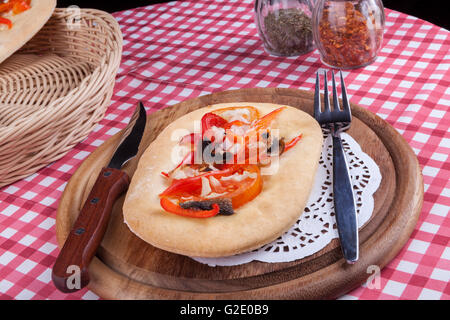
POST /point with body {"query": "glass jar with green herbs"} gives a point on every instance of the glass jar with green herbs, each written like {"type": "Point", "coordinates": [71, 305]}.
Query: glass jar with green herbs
{"type": "Point", "coordinates": [285, 26]}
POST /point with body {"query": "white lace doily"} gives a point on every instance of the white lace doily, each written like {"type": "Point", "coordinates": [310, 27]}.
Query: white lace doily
{"type": "Point", "coordinates": [317, 225]}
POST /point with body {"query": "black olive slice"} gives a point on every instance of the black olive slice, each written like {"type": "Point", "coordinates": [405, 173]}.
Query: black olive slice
{"type": "Point", "coordinates": [225, 205]}
{"type": "Point", "coordinates": [281, 145]}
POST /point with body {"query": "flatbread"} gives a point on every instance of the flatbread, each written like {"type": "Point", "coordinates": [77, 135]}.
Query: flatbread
{"type": "Point", "coordinates": [25, 25]}
{"type": "Point", "coordinates": [256, 223]}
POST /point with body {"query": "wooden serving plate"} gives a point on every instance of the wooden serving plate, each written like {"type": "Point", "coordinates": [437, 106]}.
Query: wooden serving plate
{"type": "Point", "coordinates": [126, 267]}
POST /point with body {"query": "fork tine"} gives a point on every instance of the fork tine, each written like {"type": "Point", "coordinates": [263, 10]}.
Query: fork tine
{"type": "Point", "coordinates": [326, 98]}
{"type": "Point", "coordinates": [317, 97]}
{"type": "Point", "coordinates": [345, 103]}
{"type": "Point", "coordinates": [335, 95]}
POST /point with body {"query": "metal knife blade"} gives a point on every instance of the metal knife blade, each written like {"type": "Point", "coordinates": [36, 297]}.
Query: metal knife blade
{"type": "Point", "coordinates": [128, 147]}
{"type": "Point", "coordinates": [70, 271]}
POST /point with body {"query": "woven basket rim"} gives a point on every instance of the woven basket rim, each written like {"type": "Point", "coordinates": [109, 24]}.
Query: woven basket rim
{"type": "Point", "coordinates": [50, 127]}
{"type": "Point", "coordinates": [75, 92]}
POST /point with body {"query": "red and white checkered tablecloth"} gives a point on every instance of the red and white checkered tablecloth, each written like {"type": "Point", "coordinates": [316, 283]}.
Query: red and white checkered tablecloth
{"type": "Point", "coordinates": [185, 49]}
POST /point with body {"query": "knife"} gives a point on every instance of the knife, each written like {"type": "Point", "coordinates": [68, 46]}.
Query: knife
{"type": "Point", "coordinates": [70, 271]}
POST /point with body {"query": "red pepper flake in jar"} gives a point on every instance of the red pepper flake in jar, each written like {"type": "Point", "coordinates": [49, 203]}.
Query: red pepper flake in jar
{"type": "Point", "coordinates": [348, 34]}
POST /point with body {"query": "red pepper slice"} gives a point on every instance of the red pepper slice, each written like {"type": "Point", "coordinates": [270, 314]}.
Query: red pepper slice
{"type": "Point", "coordinates": [20, 6]}
{"type": "Point", "coordinates": [6, 21]}
{"type": "Point", "coordinates": [5, 7]}
{"type": "Point", "coordinates": [264, 122]}
{"type": "Point", "coordinates": [240, 192]}
{"type": "Point", "coordinates": [214, 118]}
{"type": "Point", "coordinates": [193, 185]}
{"type": "Point", "coordinates": [171, 207]}
{"type": "Point", "coordinates": [188, 159]}
{"type": "Point", "coordinates": [17, 6]}
{"type": "Point", "coordinates": [245, 190]}
{"type": "Point", "coordinates": [165, 174]}
{"type": "Point", "coordinates": [191, 139]}
{"type": "Point", "coordinates": [210, 120]}
{"type": "Point", "coordinates": [183, 187]}
{"type": "Point", "coordinates": [292, 143]}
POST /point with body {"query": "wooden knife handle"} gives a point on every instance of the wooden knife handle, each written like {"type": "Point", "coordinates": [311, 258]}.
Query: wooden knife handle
{"type": "Point", "coordinates": [70, 271]}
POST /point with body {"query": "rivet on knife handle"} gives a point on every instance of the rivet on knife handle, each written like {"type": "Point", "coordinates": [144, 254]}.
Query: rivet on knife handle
{"type": "Point", "coordinates": [70, 272]}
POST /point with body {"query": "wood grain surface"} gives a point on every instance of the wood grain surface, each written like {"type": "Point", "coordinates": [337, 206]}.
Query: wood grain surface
{"type": "Point", "coordinates": [126, 267]}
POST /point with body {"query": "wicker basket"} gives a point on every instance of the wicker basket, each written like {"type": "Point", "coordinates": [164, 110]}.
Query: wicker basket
{"type": "Point", "coordinates": [55, 89]}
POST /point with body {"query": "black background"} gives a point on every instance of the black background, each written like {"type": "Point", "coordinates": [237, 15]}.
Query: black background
{"type": "Point", "coordinates": [330, 309]}
{"type": "Point", "coordinates": [434, 11]}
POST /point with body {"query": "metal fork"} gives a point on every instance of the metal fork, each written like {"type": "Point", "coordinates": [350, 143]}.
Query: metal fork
{"type": "Point", "coordinates": [337, 121]}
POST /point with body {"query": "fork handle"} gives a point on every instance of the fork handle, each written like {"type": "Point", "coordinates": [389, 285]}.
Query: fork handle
{"type": "Point", "coordinates": [344, 202]}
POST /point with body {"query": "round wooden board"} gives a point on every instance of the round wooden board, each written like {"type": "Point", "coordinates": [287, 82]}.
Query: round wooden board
{"type": "Point", "coordinates": [128, 268]}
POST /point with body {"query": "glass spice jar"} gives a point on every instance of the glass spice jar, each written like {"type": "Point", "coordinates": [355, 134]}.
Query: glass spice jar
{"type": "Point", "coordinates": [348, 33]}
{"type": "Point", "coordinates": [285, 26]}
